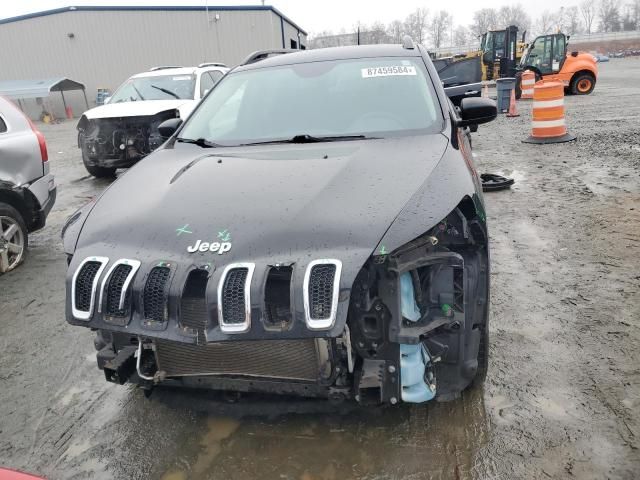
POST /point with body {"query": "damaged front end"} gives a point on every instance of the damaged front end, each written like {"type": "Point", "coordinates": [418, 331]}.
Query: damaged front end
{"type": "Point", "coordinates": [416, 321]}
{"type": "Point", "coordinates": [120, 142]}
{"type": "Point", "coordinates": [425, 304]}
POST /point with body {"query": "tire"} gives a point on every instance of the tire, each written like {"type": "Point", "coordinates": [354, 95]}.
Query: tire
{"type": "Point", "coordinates": [483, 356]}
{"type": "Point", "coordinates": [96, 171]}
{"type": "Point", "coordinates": [582, 84]}
{"type": "Point", "coordinates": [518, 87]}
{"type": "Point", "coordinates": [13, 235]}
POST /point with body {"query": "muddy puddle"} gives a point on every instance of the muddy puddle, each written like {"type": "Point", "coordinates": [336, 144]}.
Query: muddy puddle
{"type": "Point", "coordinates": [441, 440]}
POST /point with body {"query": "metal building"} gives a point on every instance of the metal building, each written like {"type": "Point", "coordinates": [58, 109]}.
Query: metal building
{"type": "Point", "coordinates": [102, 46]}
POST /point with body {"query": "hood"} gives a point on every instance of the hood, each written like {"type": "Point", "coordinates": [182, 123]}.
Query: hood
{"type": "Point", "coordinates": [140, 108]}
{"type": "Point", "coordinates": [277, 203]}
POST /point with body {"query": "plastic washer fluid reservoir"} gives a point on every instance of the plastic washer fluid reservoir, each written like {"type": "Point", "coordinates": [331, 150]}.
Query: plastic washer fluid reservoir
{"type": "Point", "coordinates": [415, 361]}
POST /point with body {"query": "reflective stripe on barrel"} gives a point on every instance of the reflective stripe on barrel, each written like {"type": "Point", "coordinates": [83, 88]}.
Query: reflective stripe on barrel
{"type": "Point", "coordinates": [527, 81]}
{"type": "Point", "coordinates": [548, 110]}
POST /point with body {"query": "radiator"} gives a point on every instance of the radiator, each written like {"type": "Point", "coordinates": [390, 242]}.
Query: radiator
{"type": "Point", "coordinates": [278, 359]}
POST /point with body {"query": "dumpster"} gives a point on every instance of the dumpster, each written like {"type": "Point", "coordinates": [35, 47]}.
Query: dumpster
{"type": "Point", "coordinates": [503, 88]}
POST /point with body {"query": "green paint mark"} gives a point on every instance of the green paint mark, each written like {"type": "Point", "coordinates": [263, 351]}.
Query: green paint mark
{"type": "Point", "coordinates": [184, 229]}
{"type": "Point", "coordinates": [383, 250]}
{"type": "Point", "coordinates": [224, 235]}
{"type": "Point", "coordinates": [446, 310]}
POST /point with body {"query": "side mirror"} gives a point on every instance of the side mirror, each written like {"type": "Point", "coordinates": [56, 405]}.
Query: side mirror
{"type": "Point", "coordinates": [169, 127]}
{"type": "Point", "coordinates": [474, 111]}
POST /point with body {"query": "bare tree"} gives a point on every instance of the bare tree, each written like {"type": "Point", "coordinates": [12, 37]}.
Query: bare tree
{"type": "Point", "coordinates": [609, 15]}
{"type": "Point", "coordinates": [439, 28]}
{"type": "Point", "coordinates": [461, 36]}
{"type": "Point", "coordinates": [483, 20]}
{"type": "Point", "coordinates": [416, 24]}
{"type": "Point", "coordinates": [634, 7]}
{"type": "Point", "coordinates": [588, 11]}
{"type": "Point", "coordinates": [545, 22]}
{"type": "Point", "coordinates": [514, 15]}
{"type": "Point", "coordinates": [395, 31]}
{"type": "Point", "coordinates": [377, 33]}
{"type": "Point", "coordinates": [571, 20]}
{"type": "Point", "coordinates": [628, 21]}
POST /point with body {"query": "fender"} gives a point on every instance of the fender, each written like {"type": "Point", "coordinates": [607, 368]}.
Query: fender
{"type": "Point", "coordinates": [579, 61]}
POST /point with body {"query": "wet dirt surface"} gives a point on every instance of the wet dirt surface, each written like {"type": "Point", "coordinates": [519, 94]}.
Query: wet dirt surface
{"type": "Point", "coordinates": [562, 399]}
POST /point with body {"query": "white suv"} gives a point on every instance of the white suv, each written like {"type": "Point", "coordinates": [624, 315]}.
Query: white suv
{"type": "Point", "coordinates": [124, 130]}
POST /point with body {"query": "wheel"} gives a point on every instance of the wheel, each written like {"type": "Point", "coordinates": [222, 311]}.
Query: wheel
{"type": "Point", "coordinates": [96, 171]}
{"type": "Point", "coordinates": [13, 238]}
{"type": "Point", "coordinates": [583, 84]}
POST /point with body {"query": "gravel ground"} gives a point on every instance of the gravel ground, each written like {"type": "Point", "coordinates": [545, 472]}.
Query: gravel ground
{"type": "Point", "coordinates": [562, 399]}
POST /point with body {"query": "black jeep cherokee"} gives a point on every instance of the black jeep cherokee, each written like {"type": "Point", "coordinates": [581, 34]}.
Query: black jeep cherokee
{"type": "Point", "coordinates": [316, 227]}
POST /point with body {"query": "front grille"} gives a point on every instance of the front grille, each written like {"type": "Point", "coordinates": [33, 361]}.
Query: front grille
{"type": "Point", "coordinates": [114, 290]}
{"type": "Point", "coordinates": [233, 296]}
{"type": "Point", "coordinates": [283, 359]}
{"type": "Point", "coordinates": [154, 296]}
{"type": "Point", "coordinates": [320, 291]}
{"type": "Point", "coordinates": [84, 285]}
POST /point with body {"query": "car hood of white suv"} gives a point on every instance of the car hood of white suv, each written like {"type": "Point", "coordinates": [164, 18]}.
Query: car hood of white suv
{"type": "Point", "coordinates": [141, 108]}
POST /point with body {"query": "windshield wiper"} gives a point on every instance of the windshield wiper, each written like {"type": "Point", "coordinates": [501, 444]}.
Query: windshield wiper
{"type": "Point", "coordinates": [168, 92]}
{"type": "Point", "coordinates": [311, 139]}
{"type": "Point", "coordinates": [137, 91]}
{"type": "Point", "coordinates": [201, 142]}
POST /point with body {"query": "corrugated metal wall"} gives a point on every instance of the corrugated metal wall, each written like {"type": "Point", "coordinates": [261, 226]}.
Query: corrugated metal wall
{"type": "Point", "coordinates": [109, 46]}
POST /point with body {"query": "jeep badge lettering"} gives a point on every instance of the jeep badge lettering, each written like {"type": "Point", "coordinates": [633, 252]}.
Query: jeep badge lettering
{"type": "Point", "coordinates": [209, 247]}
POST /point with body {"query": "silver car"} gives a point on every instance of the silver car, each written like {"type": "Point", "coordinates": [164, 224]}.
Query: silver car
{"type": "Point", "coordinates": [27, 189]}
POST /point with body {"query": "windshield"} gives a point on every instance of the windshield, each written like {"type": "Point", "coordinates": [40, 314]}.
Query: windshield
{"type": "Point", "coordinates": [370, 97]}
{"type": "Point", "coordinates": [159, 87]}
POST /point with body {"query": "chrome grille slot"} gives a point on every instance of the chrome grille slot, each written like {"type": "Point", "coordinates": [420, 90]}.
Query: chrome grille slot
{"type": "Point", "coordinates": [234, 298]}
{"type": "Point", "coordinates": [84, 284]}
{"type": "Point", "coordinates": [154, 297]}
{"type": "Point", "coordinates": [321, 289]}
{"type": "Point", "coordinates": [285, 359]}
{"type": "Point", "coordinates": [115, 289]}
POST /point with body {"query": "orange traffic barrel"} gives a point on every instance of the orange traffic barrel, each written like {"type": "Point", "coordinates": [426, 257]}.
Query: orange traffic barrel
{"type": "Point", "coordinates": [527, 81]}
{"type": "Point", "coordinates": [548, 125]}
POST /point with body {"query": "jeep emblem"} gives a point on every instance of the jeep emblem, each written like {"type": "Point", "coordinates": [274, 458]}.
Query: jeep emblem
{"type": "Point", "coordinates": [200, 246]}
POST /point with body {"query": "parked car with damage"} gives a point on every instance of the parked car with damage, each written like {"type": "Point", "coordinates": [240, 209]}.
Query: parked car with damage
{"type": "Point", "coordinates": [125, 129]}
{"type": "Point", "coordinates": [316, 227]}
{"type": "Point", "coordinates": [27, 188]}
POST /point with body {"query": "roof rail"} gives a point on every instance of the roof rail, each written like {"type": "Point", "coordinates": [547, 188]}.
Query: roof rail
{"type": "Point", "coordinates": [164, 67]}
{"type": "Point", "coordinates": [407, 43]}
{"type": "Point", "coordinates": [262, 54]}
{"type": "Point", "coordinates": [212, 64]}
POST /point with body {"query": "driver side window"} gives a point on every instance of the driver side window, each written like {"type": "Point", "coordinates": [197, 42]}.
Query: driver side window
{"type": "Point", "coordinates": [558, 52]}
{"type": "Point", "coordinates": [206, 82]}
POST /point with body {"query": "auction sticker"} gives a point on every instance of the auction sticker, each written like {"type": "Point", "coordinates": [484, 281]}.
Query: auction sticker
{"type": "Point", "coordinates": [398, 70]}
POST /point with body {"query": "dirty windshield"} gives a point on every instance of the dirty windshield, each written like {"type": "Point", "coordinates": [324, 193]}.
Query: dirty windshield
{"type": "Point", "coordinates": [157, 87]}
{"type": "Point", "coordinates": [364, 97]}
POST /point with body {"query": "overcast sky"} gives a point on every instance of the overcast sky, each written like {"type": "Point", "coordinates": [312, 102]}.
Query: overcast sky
{"type": "Point", "coordinates": [313, 15]}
